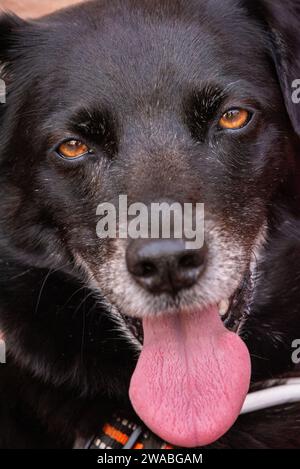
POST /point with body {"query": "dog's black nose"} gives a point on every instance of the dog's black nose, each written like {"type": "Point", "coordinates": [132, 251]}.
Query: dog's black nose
{"type": "Point", "coordinates": [164, 265]}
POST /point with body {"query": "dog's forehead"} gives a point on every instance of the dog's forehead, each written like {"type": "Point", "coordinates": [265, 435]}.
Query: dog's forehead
{"type": "Point", "coordinates": [132, 50]}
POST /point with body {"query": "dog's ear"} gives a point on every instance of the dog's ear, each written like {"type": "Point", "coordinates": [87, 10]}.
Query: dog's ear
{"type": "Point", "coordinates": [10, 27]}
{"type": "Point", "coordinates": [283, 24]}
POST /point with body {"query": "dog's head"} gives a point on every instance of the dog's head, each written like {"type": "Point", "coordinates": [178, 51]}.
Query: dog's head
{"type": "Point", "coordinates": [185, 102]}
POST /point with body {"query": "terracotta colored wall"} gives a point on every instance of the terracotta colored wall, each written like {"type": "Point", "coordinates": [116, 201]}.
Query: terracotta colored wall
{"type": "Point", "coordinates": [32, 8]}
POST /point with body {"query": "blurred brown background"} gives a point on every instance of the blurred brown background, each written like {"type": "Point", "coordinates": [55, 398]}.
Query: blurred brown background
{"type": "Point", "coordinates": [32, 8]}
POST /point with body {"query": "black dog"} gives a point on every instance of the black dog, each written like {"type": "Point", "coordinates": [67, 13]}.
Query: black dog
{"type": "Point", "coordinates": [177, 100]}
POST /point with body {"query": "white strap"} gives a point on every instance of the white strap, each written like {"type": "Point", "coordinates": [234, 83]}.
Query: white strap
{"type": "Point", "coordinates": [287, 393]}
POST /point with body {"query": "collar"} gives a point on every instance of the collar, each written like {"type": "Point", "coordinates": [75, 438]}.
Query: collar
{"type": "Point", "coordinates": [120, 433]}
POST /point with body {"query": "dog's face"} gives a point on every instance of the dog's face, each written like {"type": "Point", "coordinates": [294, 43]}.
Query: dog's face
{"type": "Point", "coordinates": [145, 112]}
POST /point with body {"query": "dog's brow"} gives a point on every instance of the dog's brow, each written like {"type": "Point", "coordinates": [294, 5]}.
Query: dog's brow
{"type": "Point", "coordinates": [201, 106]}
{"type": "Point", "coordinates": [89, 122]}
{"type": "Point", "coordinates": [208, 100]}
{"type": "Point", "coordinates": [96, 125]}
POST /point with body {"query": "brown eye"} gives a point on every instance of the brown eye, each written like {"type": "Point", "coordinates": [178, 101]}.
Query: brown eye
{"type": "Point", "coordinates": [235, 119]}
{"type": "Point", "coordinates": [73, 149]}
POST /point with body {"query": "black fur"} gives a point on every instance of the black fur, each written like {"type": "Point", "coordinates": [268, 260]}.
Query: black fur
{"type": "Point", "coordinates": [68, 368]}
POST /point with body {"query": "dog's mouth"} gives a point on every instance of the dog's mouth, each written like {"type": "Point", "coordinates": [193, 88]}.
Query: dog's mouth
{"type": "Point", "coordinates": [233, 311]}
{"type": "Point", "coordinates": [193, 372]}
{"type": "Point", "coordinates": [229, 311]}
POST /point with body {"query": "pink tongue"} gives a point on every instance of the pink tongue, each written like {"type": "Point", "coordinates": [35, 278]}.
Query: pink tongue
{"type": "Point", "coordinates": [191, 379]}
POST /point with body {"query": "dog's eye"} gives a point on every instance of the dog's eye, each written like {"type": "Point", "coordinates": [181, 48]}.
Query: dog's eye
{"type": "Point", "coordinates": [234, 119]}
{"type": "Point", "coordinates": [73, 149]}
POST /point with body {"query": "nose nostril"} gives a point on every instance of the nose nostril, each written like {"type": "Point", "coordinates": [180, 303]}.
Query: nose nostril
{"type": "Point", "coordinates": [189, 261]}
{"type": "Point", "coordinates": [147, 269]}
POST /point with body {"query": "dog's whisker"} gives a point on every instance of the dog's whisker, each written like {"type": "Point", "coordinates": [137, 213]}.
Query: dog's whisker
{"type": "Point", "coordinates": [49, 273]}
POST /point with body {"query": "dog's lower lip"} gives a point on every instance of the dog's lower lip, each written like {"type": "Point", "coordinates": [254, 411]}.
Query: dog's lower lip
{"type": "Point", "coordinates": [240, 304]}
{"type": "Point", "coordinates": [135, 327]}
